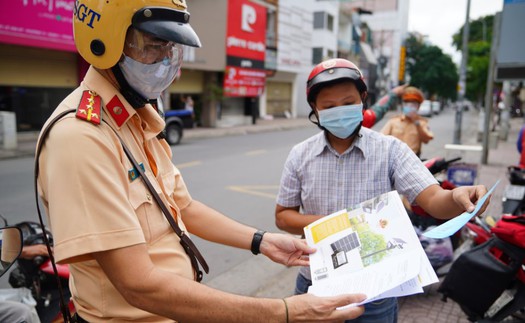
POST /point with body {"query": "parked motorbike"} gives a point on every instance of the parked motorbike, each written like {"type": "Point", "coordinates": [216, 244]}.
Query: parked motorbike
{"type": "Point", "coordinates": [16, 304]}
{"type": "Point", "coordinates": [513, 200]}
{"type": "Point", "coordinates": [38, 276]}
{"type": "Point", "coordinates": [488, 280]}
{"type": "Point", "coordinates": [440, 252]}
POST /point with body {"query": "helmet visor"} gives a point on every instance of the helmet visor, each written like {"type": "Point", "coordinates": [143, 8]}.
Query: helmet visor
{"type": "Point", "coordinates": [169, 24]}
{"type": "Point", "coordinates": [148, 49]}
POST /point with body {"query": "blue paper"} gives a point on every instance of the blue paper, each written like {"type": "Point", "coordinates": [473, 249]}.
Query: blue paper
{"type": "Point", "coordinates": [453, 225]}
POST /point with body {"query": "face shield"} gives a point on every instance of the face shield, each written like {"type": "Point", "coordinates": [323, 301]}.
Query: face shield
{"type": "Point", "coordinates": [150, 64]}
{"type": "Point", "coordinates": [148, 49]}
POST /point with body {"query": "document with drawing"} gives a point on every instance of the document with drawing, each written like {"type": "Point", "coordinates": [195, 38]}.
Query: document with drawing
{"type": "Point", "coordinates": [371, 248]}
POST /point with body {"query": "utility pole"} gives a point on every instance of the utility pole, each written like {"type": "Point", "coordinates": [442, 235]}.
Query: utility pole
{"type": "Point", "coordinates": [462, 79]}
{"type": "Point", "coordinates": [490, 87]}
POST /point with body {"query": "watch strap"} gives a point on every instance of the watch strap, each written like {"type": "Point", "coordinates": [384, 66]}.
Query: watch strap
{"type": "Point", "coordinates": [256, 241]}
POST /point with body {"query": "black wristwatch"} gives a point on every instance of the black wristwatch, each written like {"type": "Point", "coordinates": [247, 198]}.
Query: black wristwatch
{"type": "Point", "coordinates": [256, 241]}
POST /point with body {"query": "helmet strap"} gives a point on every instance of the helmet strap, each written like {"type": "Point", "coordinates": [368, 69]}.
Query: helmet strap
{"type": "Point", "coordinates": [316, 121]}
{"type": "Point", "coordinates": [364, 96]}
{"type": "Point", "coordinates": [133, 97]}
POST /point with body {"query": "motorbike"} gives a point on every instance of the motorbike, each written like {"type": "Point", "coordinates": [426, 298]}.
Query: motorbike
{"type": "Point", "coordinates": [488, 280]}
{"type": "Point", "coordinates": [10, 250]}
{"type": "Point", "coordinates": [38, 276]}
{"type": "Point", "coordinates": [440, 252]}
{"type": "Point", "coordinates": [513, 200]}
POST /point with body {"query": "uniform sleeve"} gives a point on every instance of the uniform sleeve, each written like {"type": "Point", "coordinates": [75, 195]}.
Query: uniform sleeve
{"type": "Point", "coordinates": [386, 103]}
{"type": "Point", "coordinates": [90, 200]}
{"type": "Point", "coordinates": [409, 174]}
{"type": "Point", "coordinates": [181, 196]}
{"type": "Point", "coordinates": [290, 188]}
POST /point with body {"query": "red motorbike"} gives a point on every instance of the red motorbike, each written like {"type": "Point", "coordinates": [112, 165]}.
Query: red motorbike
{"type": "Point", "coordinates": [37, 275]}
{"type": "Point", "coordinates": [488, 280]}
{"type": "Point", "coordinates": [440, 252]}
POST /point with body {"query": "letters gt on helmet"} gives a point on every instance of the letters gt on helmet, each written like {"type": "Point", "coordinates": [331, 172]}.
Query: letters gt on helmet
{"type": "Point", "coordinates": [100, 26]}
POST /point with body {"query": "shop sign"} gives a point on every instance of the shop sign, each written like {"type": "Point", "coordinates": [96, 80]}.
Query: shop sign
{"type": "Point", "coordinates": [246, 34]}
{"type": "Point", "coordinates": [243, 82]}
{"type": "Point", "coordinates": [45, 24]}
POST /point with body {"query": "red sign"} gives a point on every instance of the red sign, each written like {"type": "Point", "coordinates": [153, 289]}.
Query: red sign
{"type": "Point", "coordinates": [243, 82]}
{"type": "Point", "coordinates": [46, 24]}
{"type": "Point", "coordinates": [246, 34]}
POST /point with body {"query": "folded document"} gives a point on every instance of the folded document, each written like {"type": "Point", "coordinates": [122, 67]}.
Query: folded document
{"type": "Point", "coordinates": [371, 248]}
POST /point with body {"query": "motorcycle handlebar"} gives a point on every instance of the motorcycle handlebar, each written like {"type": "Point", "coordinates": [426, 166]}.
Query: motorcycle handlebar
{"type": "Point", "coordinates": [441, 164]}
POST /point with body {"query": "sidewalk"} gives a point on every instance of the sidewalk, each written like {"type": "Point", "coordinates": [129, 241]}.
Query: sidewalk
{"type": "Point", "coordinates": [260, 277]}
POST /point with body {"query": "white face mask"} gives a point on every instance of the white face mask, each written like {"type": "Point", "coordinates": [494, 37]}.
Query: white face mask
{"type": "Point", "coordinates": [149, 80]}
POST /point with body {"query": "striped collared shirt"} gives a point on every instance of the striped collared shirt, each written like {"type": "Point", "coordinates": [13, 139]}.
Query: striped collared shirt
{"type": "Point", "coordinates": [322, 181]}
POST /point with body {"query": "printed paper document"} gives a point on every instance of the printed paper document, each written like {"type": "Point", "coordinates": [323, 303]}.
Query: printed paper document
{"type": "Point", "coordinates": [371, 248]}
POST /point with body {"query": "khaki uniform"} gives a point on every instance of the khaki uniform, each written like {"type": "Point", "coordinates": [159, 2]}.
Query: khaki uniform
{"type": "Point", "coordinates": [95, 203]}
{"type": "Point", "coordinates": [407, 131]}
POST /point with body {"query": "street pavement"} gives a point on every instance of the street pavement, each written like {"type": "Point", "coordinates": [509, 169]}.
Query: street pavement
{"type": "Point", "coordinates": [262, 278]}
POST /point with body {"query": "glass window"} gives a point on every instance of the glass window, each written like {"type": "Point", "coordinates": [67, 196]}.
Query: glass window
{"type": "Point", "coordinates": [329, 22]}
{"type": "Point", "coordinates": [319, 20]}
{"type": "Point", "coordinates": [317, 55]}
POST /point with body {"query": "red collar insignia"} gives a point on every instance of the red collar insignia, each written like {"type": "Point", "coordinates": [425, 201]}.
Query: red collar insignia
{"type": "Point", "coordinates": [117, 110]}
{"type": "Point", "coordinates": [89, 107]}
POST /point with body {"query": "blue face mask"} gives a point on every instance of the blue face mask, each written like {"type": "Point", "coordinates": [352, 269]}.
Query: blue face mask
{"type": "Point", "coordinates": [343, 120]}
{"type": "Point", "coordinates": [409, 110]}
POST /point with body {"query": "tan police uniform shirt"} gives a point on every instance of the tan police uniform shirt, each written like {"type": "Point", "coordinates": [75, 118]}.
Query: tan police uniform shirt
{"type": "Point", "coordinates": [94, 205]}
{"type": "Point", "coordinates": [407, 131]}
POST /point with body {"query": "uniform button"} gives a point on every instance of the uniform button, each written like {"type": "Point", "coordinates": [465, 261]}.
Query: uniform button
{"type": "Point", "coordinates": [148, 197]}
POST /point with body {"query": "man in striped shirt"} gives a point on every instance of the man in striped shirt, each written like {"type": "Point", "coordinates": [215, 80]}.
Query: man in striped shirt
{"type": "Point", "coordinates": [346, 164]}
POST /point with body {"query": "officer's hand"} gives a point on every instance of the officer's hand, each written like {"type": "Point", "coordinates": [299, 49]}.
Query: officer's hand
{"type": "Point", "coordinates": [309, 308]}
{"type": "Point", "coordinates": [398, 90]}
{"type": "Point", "coordinates": [285, 249]}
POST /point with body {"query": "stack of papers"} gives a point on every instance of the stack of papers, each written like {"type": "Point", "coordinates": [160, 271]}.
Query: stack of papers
{"type": "Point", "coordinates": [371, 249]}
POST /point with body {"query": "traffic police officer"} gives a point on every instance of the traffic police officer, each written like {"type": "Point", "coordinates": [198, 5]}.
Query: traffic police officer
{"type": "Point", "coordinates": [126, 263]}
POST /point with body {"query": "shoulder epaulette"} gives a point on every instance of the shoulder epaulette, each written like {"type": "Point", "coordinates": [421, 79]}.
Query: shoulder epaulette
{"type": "Point", "coordinates": [89, 107]}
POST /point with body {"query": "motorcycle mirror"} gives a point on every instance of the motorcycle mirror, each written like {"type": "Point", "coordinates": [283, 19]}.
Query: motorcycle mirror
{"type": "Point", "coordinates": [10, 247]}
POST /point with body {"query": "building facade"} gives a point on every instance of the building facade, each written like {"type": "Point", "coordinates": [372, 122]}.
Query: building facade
{"type": "Point", "coordinates": [254, 60]}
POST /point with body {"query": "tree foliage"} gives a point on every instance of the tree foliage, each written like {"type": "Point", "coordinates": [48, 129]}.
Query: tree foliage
{"type": "Point", "coordinates": [477, 70]}
{"type": "Point", "coordinates": [479, 30]}
{"type": "Point", "coordinates": [430, 69]}
{"type": "Point", "coordinates": [479, 43]}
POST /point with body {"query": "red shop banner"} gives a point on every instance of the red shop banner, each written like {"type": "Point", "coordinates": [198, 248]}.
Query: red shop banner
{"type": "Point", "coordinates": [246, 34]}
{"type": "Point", "coordinates": [243, 82]}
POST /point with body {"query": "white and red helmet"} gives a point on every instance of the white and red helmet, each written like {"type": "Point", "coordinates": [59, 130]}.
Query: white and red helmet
{"type": "Point", "coordinates": [330, 71]}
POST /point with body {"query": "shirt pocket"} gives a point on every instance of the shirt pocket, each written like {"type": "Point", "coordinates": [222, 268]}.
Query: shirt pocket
{"type": "Point", "coordinates": [141, 200]}
{"type": "Point", "coordinates": [157, 222]}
